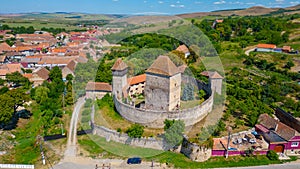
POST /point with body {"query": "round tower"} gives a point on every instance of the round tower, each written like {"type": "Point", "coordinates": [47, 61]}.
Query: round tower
{"type": "Point", "coordinates": [119, 81]}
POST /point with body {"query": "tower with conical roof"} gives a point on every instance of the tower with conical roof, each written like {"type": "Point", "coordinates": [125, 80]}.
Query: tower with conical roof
{"type": "Point", "coordinates": [119, 81]}
{"type": "Point", "coordinates": [163, 85]}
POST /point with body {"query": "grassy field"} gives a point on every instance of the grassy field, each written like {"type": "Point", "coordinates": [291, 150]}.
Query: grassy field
{"type": "Point", "coordinates": [96, 145]}
{"type": "Point", "coordinates": [52, 20]}
{"type": "Point", "coordinates": [109, 118]}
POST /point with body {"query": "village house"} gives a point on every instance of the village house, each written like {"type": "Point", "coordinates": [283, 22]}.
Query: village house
{"type": "Point", "coordinates": [69, 69]}
{"type": "Point", "coordinates": [239, 144]}
{"type": "Point", "coordinates": [136, 85]}
{"type": "Point", "coordinates": [216, 22]}
{"type": "Point", "coordinates": [3, 59]}
{"type": "Point", "coordinates": [4, 47]}
{"type": "Point", "coordinates": [184, 49]}
{"type": "Point", "coordinates": [9, 68]}
{"type": "Point", "coordinates": [265, 47]}
{"type": "Point", "coordinates": [286, 49]}
{"type": "Point", "coordinates": [281, 138]}
{"type": "Point", "coordinates": [38, 76]}
{"type": "Point", "coordinates": [96, 90]}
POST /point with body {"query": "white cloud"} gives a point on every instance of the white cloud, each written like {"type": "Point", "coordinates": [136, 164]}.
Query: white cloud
{"type": "Point", "coordinates": [177, 6]}
{"type": "Point", "coordinates": [178, 2]}
{"type": "Point", "coordinates": [250, 3]}
{"type": "Point", "coordinates": [279, 0]}
{"type": "Point", "coordinates": [160, 2]}
{"type": "Point", "coordinates": [220, 2]}
{"type": "Point", "coordinates": [295, 2]}
{"type": "Point", "coordinates": [115, 0]}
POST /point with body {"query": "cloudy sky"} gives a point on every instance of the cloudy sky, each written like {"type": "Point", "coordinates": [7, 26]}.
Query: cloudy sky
{"type": "Point", "coordinates": [135, 6]}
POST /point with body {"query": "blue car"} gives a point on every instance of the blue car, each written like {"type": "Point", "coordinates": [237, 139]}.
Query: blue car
{"type": "Point", "coordinates": [134, 160]}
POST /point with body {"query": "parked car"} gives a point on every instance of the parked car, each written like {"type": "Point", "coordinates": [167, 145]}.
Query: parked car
{"type": "Point", "coordinates": [134, 160]}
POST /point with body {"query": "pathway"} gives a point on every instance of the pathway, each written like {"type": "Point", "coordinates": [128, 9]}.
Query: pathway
{"type": "Point", "coordinates": [72, 136]}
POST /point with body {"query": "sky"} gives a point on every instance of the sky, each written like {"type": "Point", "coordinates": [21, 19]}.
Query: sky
{"type": "Point", "coordinates": [169, 7]}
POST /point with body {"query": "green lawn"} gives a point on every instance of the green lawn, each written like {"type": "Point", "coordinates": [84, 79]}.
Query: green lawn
{"type": "Point", "coordinates": [95, 145]}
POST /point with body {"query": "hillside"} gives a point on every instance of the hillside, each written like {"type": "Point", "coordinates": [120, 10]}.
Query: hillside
{"type": "Point", "coordinates": [252, 11]}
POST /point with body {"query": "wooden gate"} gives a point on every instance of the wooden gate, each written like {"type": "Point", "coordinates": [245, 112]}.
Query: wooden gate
{"type": "Point", "coordinates": [279, 148]}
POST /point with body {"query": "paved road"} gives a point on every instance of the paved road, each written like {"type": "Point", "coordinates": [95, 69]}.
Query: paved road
{"type": "Point", "coordinates": [275, 166]}
{"type": "Point", "coordinates": [72, 136]}
{"type": "Point", "coordinates": [247, 52]}
{"type": "Point", "coordinates": [88, 163]}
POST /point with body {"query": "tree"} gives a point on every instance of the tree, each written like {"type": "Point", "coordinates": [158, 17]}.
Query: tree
{"type": "Point", "coordinates": [289, 64]}
{"type": "Point", "coordinates": [55, 74]}
{"type": "Point", "coordinates": [3, 90]}
{"type": "Point", "coordinates": [135, 131]}
{"type": "Point", "coordinates": [6, 108]}
{"type": "Point", "coordinates": [18, 97]}
{"type": "Point", "coordinates": [168, 124]}
{"type": "Point", "coordinates": [272, 155]}
{"type": "Point", "coordinates": [41, 94]}
{"type": "Point", "coordinates": [174, 134]}
{"type": "Point", "coordinates": [17, 79]}
{"type": "Point", "coordinates": [188, 92]}
{"type": "Point", "coordinates": [69, 77]}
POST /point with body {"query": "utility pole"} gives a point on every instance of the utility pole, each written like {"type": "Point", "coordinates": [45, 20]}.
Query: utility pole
{"type": "Point", "coordinates": [228, 141]}
{"type": "Point", "coordinates": [64, 93]}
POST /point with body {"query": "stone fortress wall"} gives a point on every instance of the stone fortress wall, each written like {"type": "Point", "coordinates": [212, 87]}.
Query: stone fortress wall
{"type": "Point", "coordinates": [155, 119]}
{"type": "Point", "coordinates": [112, 135]}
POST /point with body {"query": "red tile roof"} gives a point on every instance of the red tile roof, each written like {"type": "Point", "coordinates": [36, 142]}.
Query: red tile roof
{"type": "Point", "coordinates": [98, 86]}
{"type": "Point", "coordinates": [183, 48]}
{"type": "Point", "coordinates": [262, 128]}
{"type": "Point", "coordinates": [136, 79]}
{"type": "Point", "coordinates": [267, 46]}
{"type": "Point", "coordinates": [5, 47]}
{"type": "Point", "coordinates": [42, 73]}
{"type": "Point", "coordinates": [28, 75]}
{"type": "Point", "coordinates": [281, 129]}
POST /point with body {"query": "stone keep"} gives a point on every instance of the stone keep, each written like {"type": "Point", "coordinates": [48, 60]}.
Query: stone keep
{"type": "Point", "coordinates": [119, 81]}
{"type": "Point", "coordinates": [163, 85]}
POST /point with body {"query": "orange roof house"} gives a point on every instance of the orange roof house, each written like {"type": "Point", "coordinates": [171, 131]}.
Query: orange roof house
{"type": "Point", "coordinates": [286, 48]}
{"type": "Point", "coordinates": [136, 79]}
{"type": "Point", "coordinates": [59, 50]}
{"type": "Point", "coordinates": [9, 68]}
{"type": "Point", "coordinates": [184, 49]}
{"type": "Point", "coordinates": [4, 47]}
{"type": "Point", "coordinates": [266, 46]}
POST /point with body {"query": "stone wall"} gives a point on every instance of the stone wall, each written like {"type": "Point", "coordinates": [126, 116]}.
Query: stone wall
{"type": "Point", "coordinates": [194, 151]}
{"type": "Point", "coordinates": [125, 139]}
{"type": "Point", "coordinates": [155, 119]}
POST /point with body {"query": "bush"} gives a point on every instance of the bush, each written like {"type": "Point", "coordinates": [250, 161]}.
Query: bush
{"type": "Point", "coordinates": [88, 103]}
{"type": "Point", "coordinates": [272, 155]}
{"type": "Point", "coordinates": [85, 119]}
{"type": "Point", "coordinates": [86, 112]}
{"type": "Point", "coordinates": [135, 131]}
